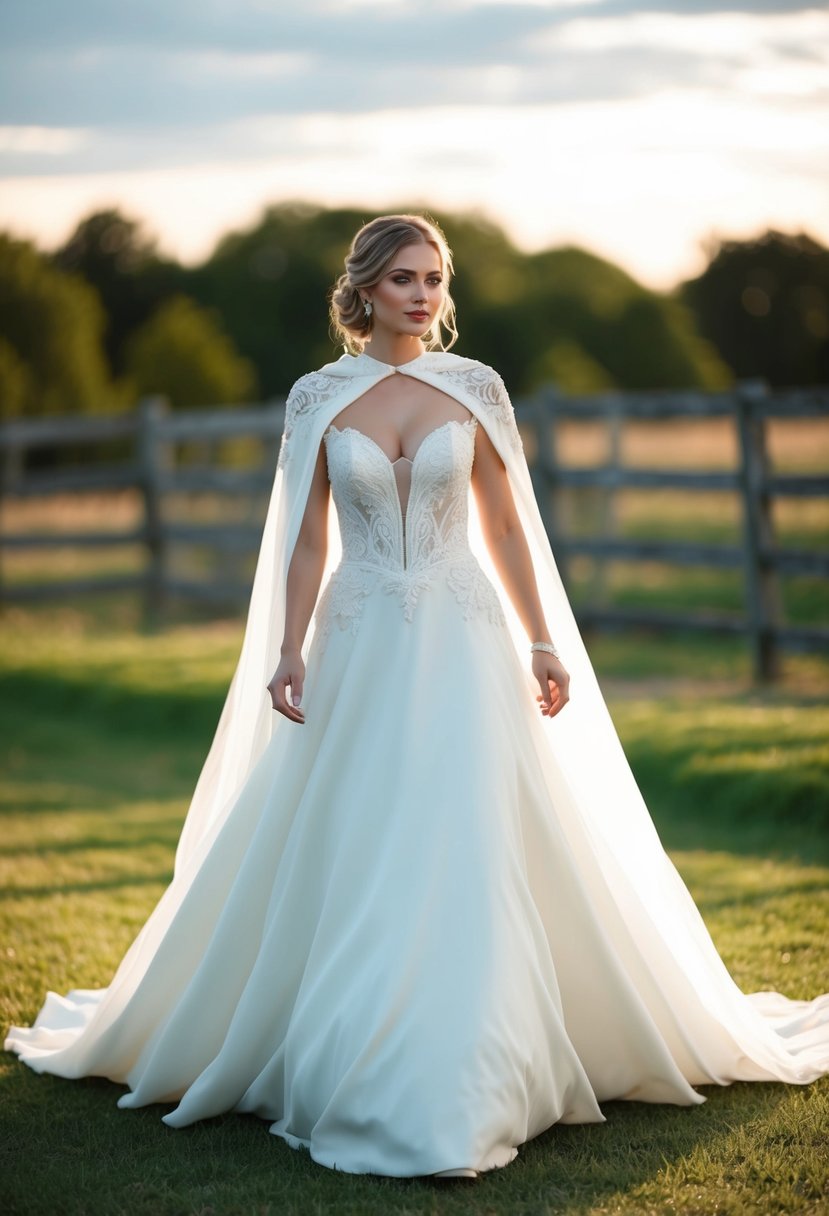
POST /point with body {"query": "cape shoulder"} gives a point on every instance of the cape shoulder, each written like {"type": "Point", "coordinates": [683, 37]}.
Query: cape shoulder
{"type": "Point", "coordinates": [465, 378]}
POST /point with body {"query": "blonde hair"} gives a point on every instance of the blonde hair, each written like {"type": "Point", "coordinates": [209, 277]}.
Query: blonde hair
{"type": "Point", "coordinates": [372, 251]}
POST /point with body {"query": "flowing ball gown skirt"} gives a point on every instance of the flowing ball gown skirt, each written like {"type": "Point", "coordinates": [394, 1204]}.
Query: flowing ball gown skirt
{"type": "Point", "coordinates": [393, 949]}
{"type": "Point", "coordinates": [390, 950]}
{"type": "Point", "coordinates": [400, 948]}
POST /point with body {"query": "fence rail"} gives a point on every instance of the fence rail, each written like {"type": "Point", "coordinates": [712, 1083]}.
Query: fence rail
{"type": "Point", "coordinates": [750, 406]}
{"type": "Point", "coordinates": [151, 435]}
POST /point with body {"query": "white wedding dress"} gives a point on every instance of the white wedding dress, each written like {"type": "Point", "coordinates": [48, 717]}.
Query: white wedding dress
{"type": "Point", "coordinates": [401, 948]}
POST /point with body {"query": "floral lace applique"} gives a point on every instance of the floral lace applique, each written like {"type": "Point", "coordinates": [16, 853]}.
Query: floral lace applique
{"type": "Point", "coordinates": [342, 599]}
{"type": "Point", "coordinates": [304, 397]}
{"type": "Point", "coordinates": [403, 554]}
{"type": "Point", "coordinates": [485, 385]}
{"type": "Point", "coordinates": [475, 593]}
{"type": "Point", "coordinates": [350, 586]}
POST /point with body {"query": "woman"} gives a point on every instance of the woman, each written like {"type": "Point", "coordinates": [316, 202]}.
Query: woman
{"type": "Point", "coordinates": [414, 921]}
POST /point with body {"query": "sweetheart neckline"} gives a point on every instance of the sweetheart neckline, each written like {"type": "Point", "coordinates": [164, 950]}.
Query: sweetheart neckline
{"type": "Point", "coordinates": [341, 430]}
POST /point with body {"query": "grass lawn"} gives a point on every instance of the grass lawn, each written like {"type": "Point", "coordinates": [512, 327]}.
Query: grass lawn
{"type": "Point", "coordinates": [102, 733]}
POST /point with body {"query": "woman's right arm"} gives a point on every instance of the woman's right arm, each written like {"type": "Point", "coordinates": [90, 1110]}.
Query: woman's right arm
{"type": "Point", "coordinates": [301, 591]}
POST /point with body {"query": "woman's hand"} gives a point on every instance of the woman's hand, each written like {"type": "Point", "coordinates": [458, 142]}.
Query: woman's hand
{"type": "Point", "coordinates": [291, 670]}
{"type": "Point", "coordinates": [553, 680]}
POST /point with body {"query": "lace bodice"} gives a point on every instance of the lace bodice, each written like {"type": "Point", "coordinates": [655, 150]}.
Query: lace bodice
{"type": "Point", "coordinates": [403, 524]}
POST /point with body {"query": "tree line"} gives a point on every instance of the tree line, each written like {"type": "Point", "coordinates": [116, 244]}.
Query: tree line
{"type": "Point", "coordinates": [106, 317]}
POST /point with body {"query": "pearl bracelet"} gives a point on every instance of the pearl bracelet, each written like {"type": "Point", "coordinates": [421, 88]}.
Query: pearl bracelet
{"type": "Point", "coordinates": [546, 646]}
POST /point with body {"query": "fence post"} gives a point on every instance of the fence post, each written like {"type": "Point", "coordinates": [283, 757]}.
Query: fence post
{"type": "Point", "coordinates": [762, 587]}
{"type": "Point", "coordinates": [607, 512]}
{"type": "Point", "coordinates": [153, 464]}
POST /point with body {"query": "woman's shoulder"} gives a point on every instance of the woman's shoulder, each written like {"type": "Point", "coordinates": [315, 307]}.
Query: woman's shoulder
{"type": "Point", "coordinates": [328, 379]}
{"type": "Point", "coordinates": [475, 374]}
{"type": "Point", "coordinates": [477, 381]}
{"type": "Point", "coordinates": [319, 382]}
{"type": "Point", "coordinates": [471, 374]}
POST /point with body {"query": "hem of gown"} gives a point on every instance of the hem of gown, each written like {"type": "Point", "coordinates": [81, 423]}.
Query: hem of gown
{"type": "Point", "coordinates": [495, 1160]}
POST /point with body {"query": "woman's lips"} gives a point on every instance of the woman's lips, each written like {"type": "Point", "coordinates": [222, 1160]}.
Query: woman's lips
{"type": "Point", "coordinates": [418, 315]}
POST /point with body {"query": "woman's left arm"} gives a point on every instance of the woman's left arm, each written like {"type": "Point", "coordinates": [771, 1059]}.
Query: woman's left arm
{"type": "Point", "coordinates": [507, 544]}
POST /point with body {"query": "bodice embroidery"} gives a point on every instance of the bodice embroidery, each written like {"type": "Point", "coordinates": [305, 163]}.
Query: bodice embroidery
{"type": "Point", "coordinates": [403, 551]}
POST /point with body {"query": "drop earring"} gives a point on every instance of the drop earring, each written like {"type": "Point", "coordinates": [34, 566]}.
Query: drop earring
{"type": "Point", "coordinates": [367, 308]}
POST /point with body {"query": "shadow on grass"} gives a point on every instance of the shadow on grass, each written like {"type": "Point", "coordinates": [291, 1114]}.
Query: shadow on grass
{"type": "Point", "coordinates": [119, 785]}
{"type": "Point", "coordinates": [80, 844]}
{"type": "Point", "coordinates": [698, 831]}
{"type": "Point", "coordinates": [94, 1158]}
{"type": "Point", "coordinates": [86, 888]}
{"type": "Point", "coordinates": [67, 746]}
{"type": "Point", "coordinates": [782, 813]}
{"type": "Point", "coordinates": [760, 899]}
{"type": "Point", "coordinates": [111, 708]}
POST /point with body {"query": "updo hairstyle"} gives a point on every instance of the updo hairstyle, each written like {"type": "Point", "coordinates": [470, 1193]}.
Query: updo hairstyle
{"type": "Point", "coordinates": [372, 252]}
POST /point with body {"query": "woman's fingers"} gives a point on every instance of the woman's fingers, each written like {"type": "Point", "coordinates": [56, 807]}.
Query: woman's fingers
{"type": "Point", "coordinates": [294, 712]}
{"type": "Point", "coordinates": [557, 700]}
{"type": "Point", "coordinates": [278, 689]}
{"type": "Point", "coordinates": [554, 693]}
{"type": "Point", "coordinates": [549, 699]}
{"type": "Point", "coordinates": [561, 696]}
{"type": "Point", "coordinates": [296, 689]}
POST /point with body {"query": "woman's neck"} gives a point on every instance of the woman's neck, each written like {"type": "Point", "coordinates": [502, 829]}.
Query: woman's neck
{"type": "Point", "coordinates": [394, 349]}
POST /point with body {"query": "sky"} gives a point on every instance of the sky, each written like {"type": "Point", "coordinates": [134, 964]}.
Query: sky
{"type": "Point", "coordinates": [640, 131]}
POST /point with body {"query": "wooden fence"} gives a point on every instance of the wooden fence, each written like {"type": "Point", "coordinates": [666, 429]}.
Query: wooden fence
{"type": "Point", "coordinates": [152, 436]}
{"type": "Point", "coordinates": [749, 407]}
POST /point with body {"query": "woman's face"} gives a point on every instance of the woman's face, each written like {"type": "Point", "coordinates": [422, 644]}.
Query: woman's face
{"type": "Point", "coordinates": [410, 294]}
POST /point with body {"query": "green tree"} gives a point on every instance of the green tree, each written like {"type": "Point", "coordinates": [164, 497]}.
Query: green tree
{"type": "Point", "coordinates": [764, 305]}
{"type": "Point", "coordinates": [51, 358]}
{"type": "Point", "coordinates": [270, 284]}
{"type": "Point", "coordinates": [566, 364]}
{"type": "Point", "coordinates": [655, 344]}
{"type": "Point", "coordinates": [121, 261]}
{"type": "Point", "coordinates": [562, 312]}
{"type": "Point", "coordinates": [183, 353]}
{"type": "Point", "coordinates": [15, 381]}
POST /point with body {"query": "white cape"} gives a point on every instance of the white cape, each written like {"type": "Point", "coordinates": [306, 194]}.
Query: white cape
{"type": "Point", "coordinates": [662, 949]}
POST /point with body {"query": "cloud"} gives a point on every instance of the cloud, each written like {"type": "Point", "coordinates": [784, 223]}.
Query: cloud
{"type": "Point", "coordinates": [365, 35]}
{"type": "Point", "coordinates": [446, 30]}
{"type": "Point", "coordinates": [185, 92]}
{"type": "Point", "coordinates": [605, 120]}
{"type": "Point", "coordinates": [179, 66]}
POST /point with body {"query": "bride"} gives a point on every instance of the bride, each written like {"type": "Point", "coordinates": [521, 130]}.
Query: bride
{"type": "Point", "coordinates": [420, 912]}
